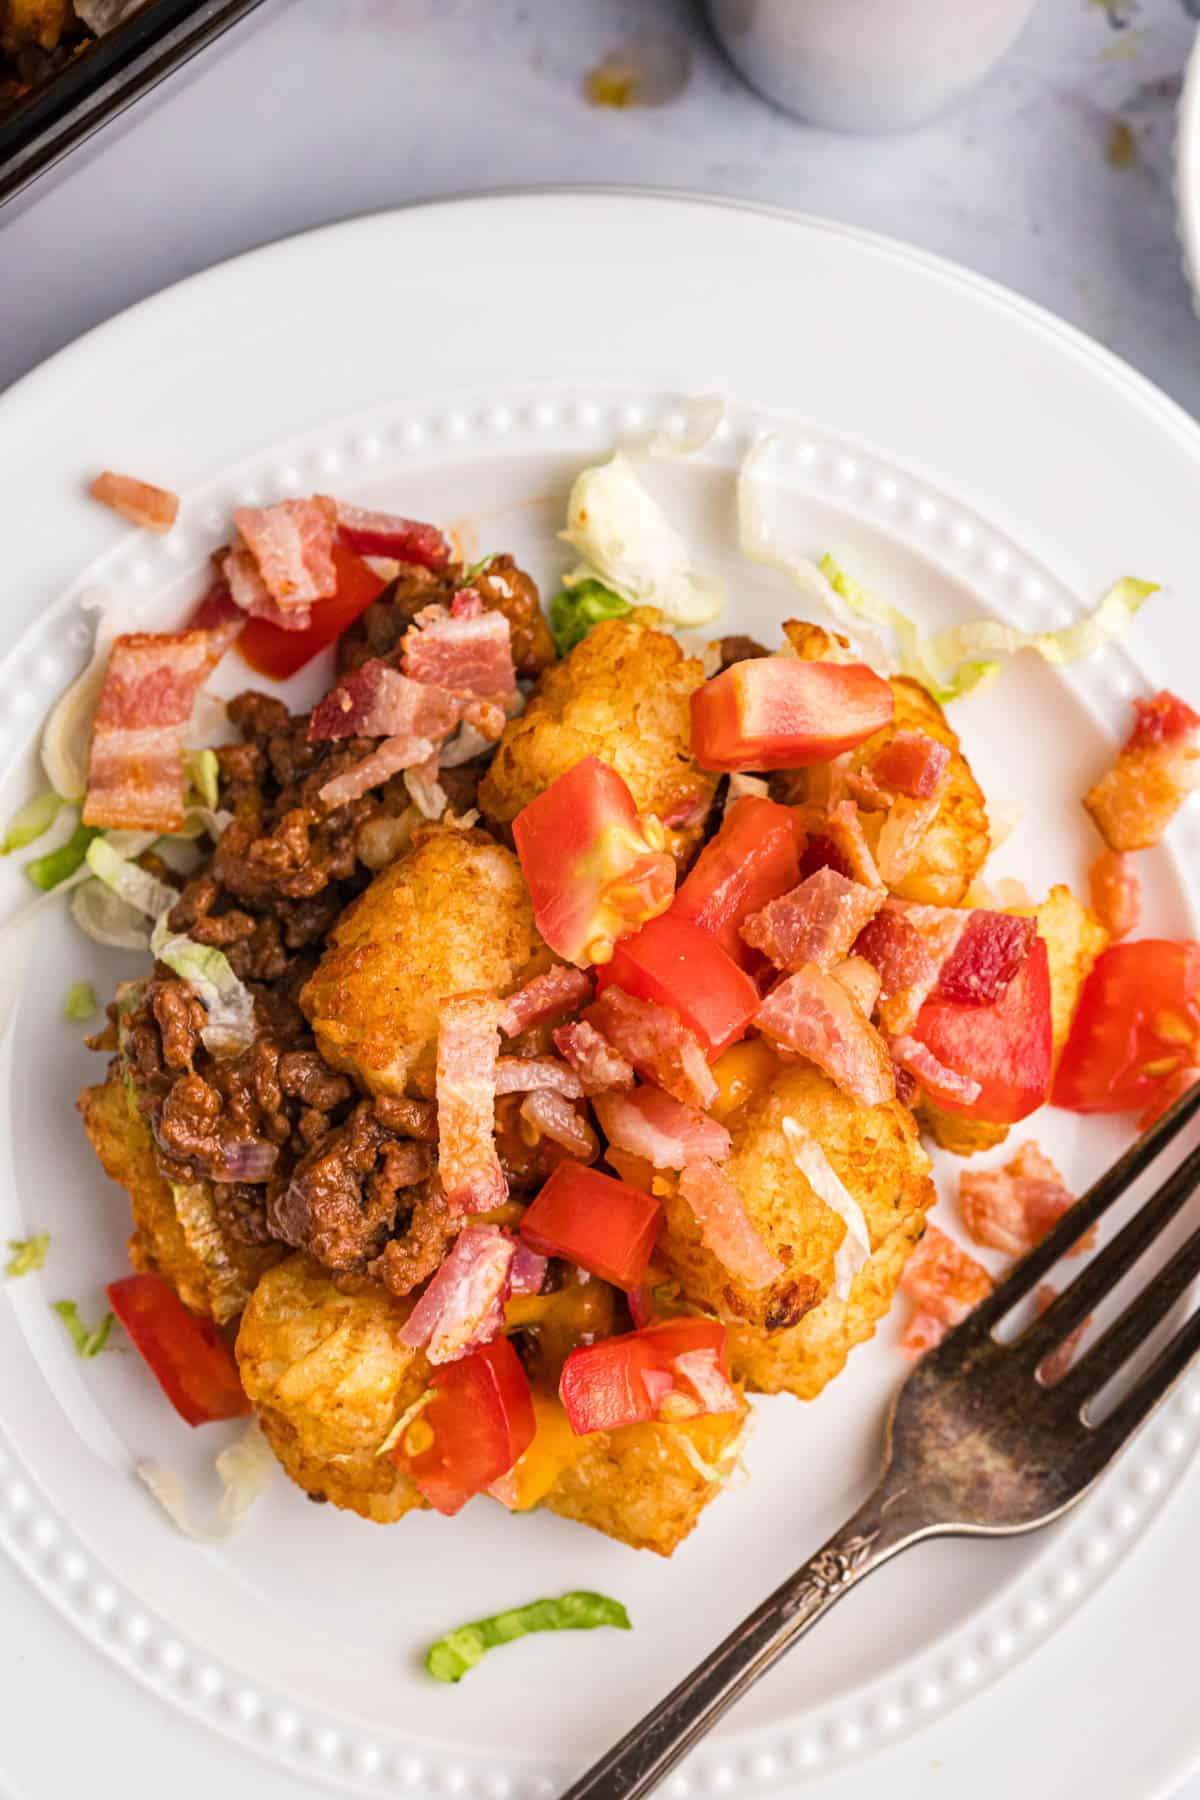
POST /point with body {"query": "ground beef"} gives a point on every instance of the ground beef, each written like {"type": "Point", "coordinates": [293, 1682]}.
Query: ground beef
{"type": "Point", "coordinates": [411, 1258]}
{"type": "Point", "coordinates": [501, 585]}
{"type": "Point", "coordinates": [740, 649]}
{"type": "Point", "coordinates": [343, 1197]}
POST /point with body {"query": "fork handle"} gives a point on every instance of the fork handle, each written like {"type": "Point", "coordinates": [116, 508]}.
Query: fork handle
{"type": "Point", "coordinates": [645, 1755]}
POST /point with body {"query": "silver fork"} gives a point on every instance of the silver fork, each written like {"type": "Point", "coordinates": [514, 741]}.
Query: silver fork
{"type": "Point", "coordinates": [977, 1445]}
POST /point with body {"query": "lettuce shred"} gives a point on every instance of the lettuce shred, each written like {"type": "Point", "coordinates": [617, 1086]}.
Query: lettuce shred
{"type": "Point", "coordinates": [573, 612]}
{"type": "Point", "coordinates": [629, 546]}
{"type": "Point", "coordinates": [31, 821]}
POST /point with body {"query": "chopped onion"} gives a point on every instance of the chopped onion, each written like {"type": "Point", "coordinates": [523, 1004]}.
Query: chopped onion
{"type": "Point", "coordinates": [629, 546]}
{"type": "Point", "coordinates": [243, 1468]}
{"type": "Point", "coordinates": [822, 1178]}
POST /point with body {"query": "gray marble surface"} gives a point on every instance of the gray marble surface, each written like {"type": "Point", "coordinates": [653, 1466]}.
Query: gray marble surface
{"type": "Point", "coordinates": [1054, 178]}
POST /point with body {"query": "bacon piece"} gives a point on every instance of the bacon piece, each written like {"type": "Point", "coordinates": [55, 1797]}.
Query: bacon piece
{"type": "Point", "coordinates": [463, 1306]}
{"type": "Point", "coordinates": [813, 1015]}
{"type": "Point", "coordinates": [248, 591]}
{"type": "Point", "coordinates": [292, 545]}
{"type": "Point", "coordinates": [135, 767]}
{"type": "Point", "coordinates": [667, 1134]}
{"type": "Point", "coordinates": [844, 830]}
{"type": "Point", "coordinates": [215, 607]}
{"type": "Point", "coordinates": [944, 1279]}
{"type": "Point", "coordinates": [560, 990]}
{"type": "Point", "coordinates": [814, 923]}
{"type": "Point", "coordinates": [861, 981]}
{"type": "Point", "coordinates": [657, 1043]}
{"type": "Point", "coordinates": [907, 971]}
{"type": "Point", "coordinates": [1013, 1208]}
{"type": "Point", "coordinates": [725, 1226]}
{"type": "Point", "coordinates": [154, 508]}
{"type": "Point", "coordinates": [902, 834]}
{"type": "Point", "coordinates": [522, 1074]}
{"type": "Point", "coordinates": [923, 1332]}
{"type": "Point", "coordinates": [986, 957]}
{"type": "Point", "coordinates": [468, 1048]}
{"type": "Point", "coordinates": [554, 1116]}
{"type": "Point", "coordinates": [387, 534]}
{"type": "Point", "coordinates": [941, 1084]}
{"type": "Point", "coordinates": [1116, 892]}
{"type": "Point", "coordinates": [1052, 1368]}
{"type": "Point", "coordinates": [377, 701]}
{"type": "Point", "coordinates": [592, 1057]}
{"type": "Point", "coordinates": [1156, 770]}
{"type": "Point", "coordinates": [392, 755]}
{"type": "Point", "coordinates": [912, 763]}
{"type": "Point", "coordinates": [471, 655]}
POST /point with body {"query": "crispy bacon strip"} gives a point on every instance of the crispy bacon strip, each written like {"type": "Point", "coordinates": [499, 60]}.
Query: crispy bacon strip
{"type": "Point", "coordinates": [154, 508]}
{"type": "Point", "coordinates": [463, 1306]}
{"type": "Point", "coordinates": [522, 1074]}
{"type": "Point", "coordinates": [986, 958]}
{"type": "Point", "coordinates": [392, 755]}
{"type": "Point", "coordinates": [468, 1048]}
{"type": "Point", "coordinates": [553, 1115]}
{"type": "Point", "coordinates": [812, 1014]}
{"type": "Point", "coordinates": [907, 971]}
{"type": "Point", "coordinates": [933, 1077]}
{"type": "Point", "coordinates": [377, 701]}
{"type": "Point", "coordinates": [248, 591]}
{"type": "Point", "coordinates": [658, 1045]}
{"type": "Point", "coordinates": [469, 654]}
{"type": "Point", "coordinates": [292, 544]}
{"type": "Point", "coordinates": [725, 1226]}
{"type": "Point", "coordinates": [1156, 770]}
{"type": "Point", "coordinates": [559, 990]}
{"type": "Point", "coordinates": [1013, 1208]}
{"type": "Point", "coordinates": [386, 534]}
{"type": "Point", "coordinates": [814, 923]}
{"type": "Point", "coordinates": [592, 1057]}
{"type": "Point", "coordinates": [667, 1134]}
{"type": "Point", "coordinates": [943, 1279]}
{"type": "Point", "coordinates": [135, 768]}
{"type": "Point", "coordinates": [1116, 892]}
{"type": "Point", "coordinates": [912, 763]}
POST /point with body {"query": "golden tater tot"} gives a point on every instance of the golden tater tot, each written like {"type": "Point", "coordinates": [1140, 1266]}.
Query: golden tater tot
{"type": "Point", "coordinates": [451, 916]}
{"type": "Point", "coordinates": [177, 1233]}
{"type": "Point", "coordinates": [624, 695]}
{"type": "Point", "coordinates": [647, 1485]}
{"type": "Point", "coordinates": [329, 1377]}
{"type": "Point", "coordinates": [1074, 939]}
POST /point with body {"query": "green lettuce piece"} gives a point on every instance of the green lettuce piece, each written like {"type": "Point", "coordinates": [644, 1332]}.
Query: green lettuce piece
{"type": "Point", "coordinates": [48, 871]}
{"type": "Point", "coordinates": [204, 774]}
{"type": "Point", "coordinates": [28, 824]}
{"type": "Point", "coordinates": [451, 1657]}
{"type": "Point", "coordinates": [87, 1343]}
{"type": "Point", "coordinates": [476, 568]}
{"type": "Point", "coordinates": [80, 1003]}
{"type": "Point", "coordinates": [628, 544]}
{"type": "Point", "coordinates": [141, 890]}
{"type": "Point", "coordinates": [575, 610]}
{"type": "Point", "coordinates": [28, 1254]}
{"type": "Point", "coordinates": [209, 973]}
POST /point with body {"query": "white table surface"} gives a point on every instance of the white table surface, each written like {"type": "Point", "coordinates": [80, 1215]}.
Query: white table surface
{"type": "Point", "coordinates": [315, 109]}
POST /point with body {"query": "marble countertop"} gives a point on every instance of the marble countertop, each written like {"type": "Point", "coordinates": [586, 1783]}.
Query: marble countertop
{"type": "Point", "coordinates": [1054, 178]}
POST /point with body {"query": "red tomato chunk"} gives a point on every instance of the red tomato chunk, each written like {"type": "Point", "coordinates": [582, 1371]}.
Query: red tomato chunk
{"type": "Point", "coordinates": [1136, 1029]}
{"type": "Point", "coordinates": [753, 859]}
{"type": "Point", "coordinates": [632, 1379]}
{"type": "Point", "coordinates": [278, 653]}
{"type": "Point", "coordinates": [777, 712]}
{"type": "Point", "coordinates": [479, 1421]}
{"type": "Point", "coordinates": [603, 1225]}
{"type": "Point", "coordinates": [1006, 1047]}
{"type": "Point", "coordinates": [187, 1355]}
{"type": "Point", "coordinates": [679, 965]}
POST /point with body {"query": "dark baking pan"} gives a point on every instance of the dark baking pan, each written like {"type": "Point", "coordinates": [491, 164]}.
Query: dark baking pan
{"type": "Point", "coordinates": [103, 79]}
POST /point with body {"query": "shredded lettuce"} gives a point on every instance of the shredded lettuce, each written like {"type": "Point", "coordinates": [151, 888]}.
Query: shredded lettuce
{"type": "Point", "coordinates": [827, 1185]}
{"type": "Point", "coordinates": [52, 869]}
{"type": "Point", "coordinates": [244, 1469]}
{"type": "Point", "coordinates": [453, 1655]}
{"type": "Point", "coordinates": [629, 546]}
{"type": "Point", "coordinates": [28, 1254]}
{"type": "Point", "coordinates": [207, 971]}
{"type": "Point", "coordinates": [67, 734]}
{"type": "Point", "coordinates": [107, 919]}
{"type": "Point", "coordinates": [136, 886]}
{"type": "Point", "coordinates": [87, 1343]}
{"type": "Point", "coordinates": [204, 775]}
{"type": "Point", "coordinates": [32, 819]}
{"type": "Point", "coordinates": [476, 568]}
{"type": "Point", "coordinates": [80, 1003]}
{"type": "Point", "coordinates": [573, 612]}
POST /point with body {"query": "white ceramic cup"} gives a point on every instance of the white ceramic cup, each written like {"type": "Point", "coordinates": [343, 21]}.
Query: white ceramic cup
{"type": "Point", "coordinates": [866, 65]}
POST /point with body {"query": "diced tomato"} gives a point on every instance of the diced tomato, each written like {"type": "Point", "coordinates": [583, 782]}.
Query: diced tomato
{"type": "Point", "coordinates": [777, 712]}
{"type": "Point", "coordinates": [632, 1379]}
{"type": "Point", "coordinates": [1005, 1047]}
{"type": "Point", "coordinates": [479, 1421]}
{"type": "Point", "coordinates": [594, 869]}
{"type": "Point", "coordinates": [278, 653]}
{"type": "Point", "coordinates": [1136, 1027]}
{"type": "Point", "coordinates": [188, 1357]}
{"type": "Point", "coordinates": [603, 1225]}
{"type": "Point", "coordinates": [679, 965]}
{"type": "Point", "coordinates": [754, 858]}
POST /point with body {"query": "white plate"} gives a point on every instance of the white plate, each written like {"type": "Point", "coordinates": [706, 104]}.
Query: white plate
{"type": "Point", "coordinates": [461, 361]}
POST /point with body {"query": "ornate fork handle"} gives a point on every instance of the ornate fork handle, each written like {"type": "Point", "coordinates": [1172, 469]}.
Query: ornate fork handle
{"type": "Point", "coordinates": [645, 1755]}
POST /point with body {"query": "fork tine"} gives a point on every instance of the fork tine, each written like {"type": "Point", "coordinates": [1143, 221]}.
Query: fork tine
{"type": "Point", "coordinates": [1085, 1291]}
{"type": "Point", "coordinates": [1153, 1386]}
{"type": "Point", "coordinates": [1085, 1213]}
{"type": "Point", "coordinates": [1117, 1344]}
